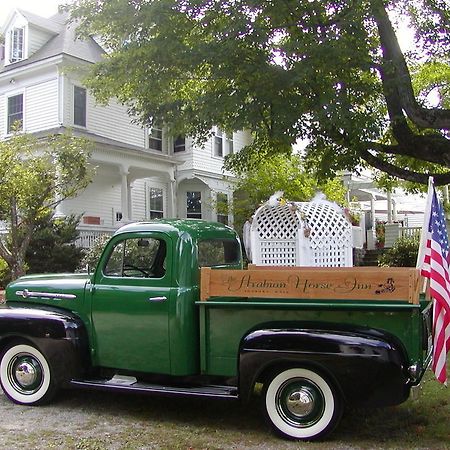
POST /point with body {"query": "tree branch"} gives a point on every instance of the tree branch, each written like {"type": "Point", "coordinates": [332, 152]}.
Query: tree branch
{"type": "Point", "coordinates": [422, 117]}
{"type": "Point", "coordinates": [405, 174]}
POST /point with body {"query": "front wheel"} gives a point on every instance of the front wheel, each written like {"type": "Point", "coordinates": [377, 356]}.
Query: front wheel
{"type": "Point", "coordinates": [302, 404]}
{"type": "Point", "coordinates": [25, 375]}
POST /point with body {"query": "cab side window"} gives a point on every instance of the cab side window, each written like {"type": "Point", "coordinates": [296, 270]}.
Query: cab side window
{"type": "Point", "coordinates": [137, 258]}
{"type": "Point", "coordinates": [218, 252]}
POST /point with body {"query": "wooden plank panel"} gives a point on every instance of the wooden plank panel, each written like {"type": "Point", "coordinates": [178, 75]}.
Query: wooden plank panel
{"type": "Point", "coordinates": [334, 283]}
{"type": "Point", "coordinates": [204, 283]}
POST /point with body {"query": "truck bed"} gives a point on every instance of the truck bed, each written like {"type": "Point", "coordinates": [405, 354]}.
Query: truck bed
{"type": "Point", "coordinates": [373, 300]}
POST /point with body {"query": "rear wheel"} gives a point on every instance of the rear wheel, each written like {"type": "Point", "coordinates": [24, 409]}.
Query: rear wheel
{"type": "Point", "coordinates": [26, 375]}
{"type": "Point", "coordinates": [301, 404]}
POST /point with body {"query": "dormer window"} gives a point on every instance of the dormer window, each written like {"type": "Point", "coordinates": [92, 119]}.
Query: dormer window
{"type": "Point", "coordinates": [17, 45]}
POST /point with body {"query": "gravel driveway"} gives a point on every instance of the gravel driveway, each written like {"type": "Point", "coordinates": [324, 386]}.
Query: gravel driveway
{"type": "Point", "coordinates": [99, 420]}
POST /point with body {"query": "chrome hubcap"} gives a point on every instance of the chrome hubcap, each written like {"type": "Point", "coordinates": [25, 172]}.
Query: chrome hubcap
{"type": "Point", "coordinates": [26, 374]}
{"type": "Point", "coordinates": [300, 403]}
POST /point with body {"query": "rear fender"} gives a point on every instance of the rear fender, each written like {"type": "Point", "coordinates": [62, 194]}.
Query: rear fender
{"type": "Point", "coordinates": [367, 370]}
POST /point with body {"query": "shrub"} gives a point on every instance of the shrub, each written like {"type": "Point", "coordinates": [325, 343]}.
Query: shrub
{"type": "Point", "coordinates": [380, 232]}
{"type": "Point", "coordinates": [5, 274]}
{"type": "Point", "coordinates": [402, 254]}
{"type": "Point", "coordinates": [92, 255]}
{"type": "Point", "coordinates": [52, 248]}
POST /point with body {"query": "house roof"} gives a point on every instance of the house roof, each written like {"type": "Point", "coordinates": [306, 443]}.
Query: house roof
{"type": "Point", "coordinates": [52, 24]}
{"type": "Point", "coordinates": [64, 42]}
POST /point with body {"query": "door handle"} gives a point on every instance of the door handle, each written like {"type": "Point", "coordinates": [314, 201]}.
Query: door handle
{"type": "Point", "coordinates": [157, 299]}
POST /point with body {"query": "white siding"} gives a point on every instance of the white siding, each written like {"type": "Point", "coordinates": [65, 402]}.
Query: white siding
{"type": "Point", "coordinates": [66, 101]}
{"type": "Point", "coordinates": [139, 200]}
{"type": "Point", "coordinates": [113, 122]}
{"type": "Point", "coordinates": [36, 39]}
{"type": "Point", "coordinates": [2, 115]}
{"type": "Point", "coordinates": [40, 96]}
{"type": "Point", "coordinates": [100, 199]}
{"type": "Point", "coordinates": [187, 156]}
{"type": "Point", "coordinates": [204, 159]}
{"type": "Point", "coordinates": [41, 106]}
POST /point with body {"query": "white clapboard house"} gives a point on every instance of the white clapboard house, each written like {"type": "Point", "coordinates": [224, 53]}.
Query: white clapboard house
{"type": "Point", "coordinates": [141, 173]}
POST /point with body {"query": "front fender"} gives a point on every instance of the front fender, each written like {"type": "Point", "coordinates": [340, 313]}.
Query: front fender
{"type": "Point", "coordinates": [59, 334]}
{"type": "Point", "coordinates": [368, 370]}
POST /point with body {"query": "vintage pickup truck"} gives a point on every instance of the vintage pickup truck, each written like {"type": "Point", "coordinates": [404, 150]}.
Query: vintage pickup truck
{"type": "Point", "coordinates": [170, 310]}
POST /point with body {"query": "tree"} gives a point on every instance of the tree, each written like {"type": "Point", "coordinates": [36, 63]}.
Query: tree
{"type": "Point", "coordinates": [52, 247]}
{"type": "Point", "coordinates": [328, 71]}
{"type": "Point", "coordinates": [280, 173]}
{"type": "Point", "coordinates": [35, 176]}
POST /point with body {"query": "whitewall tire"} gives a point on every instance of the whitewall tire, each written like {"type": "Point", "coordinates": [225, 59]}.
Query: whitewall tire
{"type": "Point", "coordinates": [25, 375]}
{"type": "Point", "coordinates": [301, 404]}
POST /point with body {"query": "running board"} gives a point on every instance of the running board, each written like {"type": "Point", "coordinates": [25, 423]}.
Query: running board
{"type": "Point", "coordinates": [225, 392]}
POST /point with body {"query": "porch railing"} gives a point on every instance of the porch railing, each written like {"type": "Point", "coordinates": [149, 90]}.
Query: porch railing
{"type": "Point", "coordinates": [87, 238]}
{"type": "Point", "coordinates": [410, 231]}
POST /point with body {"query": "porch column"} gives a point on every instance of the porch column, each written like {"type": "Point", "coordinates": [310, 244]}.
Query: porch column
{"type": "Point", "coordinates": [370, 233]}
{"type": "Point", "coordinates": [372, 210]}
{"type": "Point", "coordinates": [171, 199]}
{"type": "Point", "coordinates": [389, 206]}
{"type": "Point", "coordinates": [125, 193]}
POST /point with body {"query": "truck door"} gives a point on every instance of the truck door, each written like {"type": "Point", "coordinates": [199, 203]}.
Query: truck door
{"type": "Point", "coordinates": [130, 301]}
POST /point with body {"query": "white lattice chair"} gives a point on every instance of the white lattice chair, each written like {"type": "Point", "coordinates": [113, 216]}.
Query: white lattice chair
{"type": "Point", "coordinates": [301, 234]}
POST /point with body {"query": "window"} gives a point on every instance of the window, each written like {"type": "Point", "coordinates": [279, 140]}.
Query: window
{"type": "Point", "coordinates": [218, 143]}
{"type": "Point", "coordinates": [156, 203]}
{"type": "Point", "coordinates": [179, 144]}
{"type": "Point", "coordinates": [79, 106]}
{"type": "Point", "coordinates": [155, 139]}
{"type": "Point", "coordinates": [15, 112]}
{"type": "Point", "coordinates": [16, 49]}
{"type": "Point", "coordinates": [194, 205]}
{"type": "Point", "coordinates": [137, 258]}
{"type": "Point", "coordinates": [222, 208]}
{"type": "Point", "coordinates": [229, 144]}
{"type": "Point", "coordinates": [218, 252]}
{"type": "Point", "coordinates": [223, 143]}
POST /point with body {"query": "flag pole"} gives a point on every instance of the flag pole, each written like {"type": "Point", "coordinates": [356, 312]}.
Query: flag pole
{"type": "Point", "coordinates": [426, 224]}
{"type": "Point", "coordinates": [424, 236]}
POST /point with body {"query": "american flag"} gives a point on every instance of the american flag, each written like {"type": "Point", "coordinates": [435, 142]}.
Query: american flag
{"type": "Point", "coordinates": [434, 262]}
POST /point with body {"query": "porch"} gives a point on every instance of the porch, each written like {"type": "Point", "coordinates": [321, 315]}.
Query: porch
{"type": "Point", "coordinates": [88, 236]}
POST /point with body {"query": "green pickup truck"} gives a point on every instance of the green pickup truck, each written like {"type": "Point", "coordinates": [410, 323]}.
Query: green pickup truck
{"type": "Point", "coordinates": [147, 321]}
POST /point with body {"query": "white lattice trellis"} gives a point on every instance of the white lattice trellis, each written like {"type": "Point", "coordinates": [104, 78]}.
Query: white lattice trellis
{"type": "Point", "coordinates": [301, 234]}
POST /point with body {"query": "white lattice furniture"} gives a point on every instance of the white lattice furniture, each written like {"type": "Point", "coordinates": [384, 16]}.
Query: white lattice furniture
{"type": "Point", "coordinates": [301, 234]}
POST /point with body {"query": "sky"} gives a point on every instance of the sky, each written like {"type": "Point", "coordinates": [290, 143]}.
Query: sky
{"type": "Point", "coordinates": [44, 8]}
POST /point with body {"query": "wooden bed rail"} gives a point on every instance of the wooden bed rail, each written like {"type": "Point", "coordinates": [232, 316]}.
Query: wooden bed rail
{"type": "Point", "coordinates": [317, 283]}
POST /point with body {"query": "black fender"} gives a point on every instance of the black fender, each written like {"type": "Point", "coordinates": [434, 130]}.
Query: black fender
{"type": "Point", "coordinates": [59, 334]}
{"type": "Point", "coordinates": [368, 369]}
